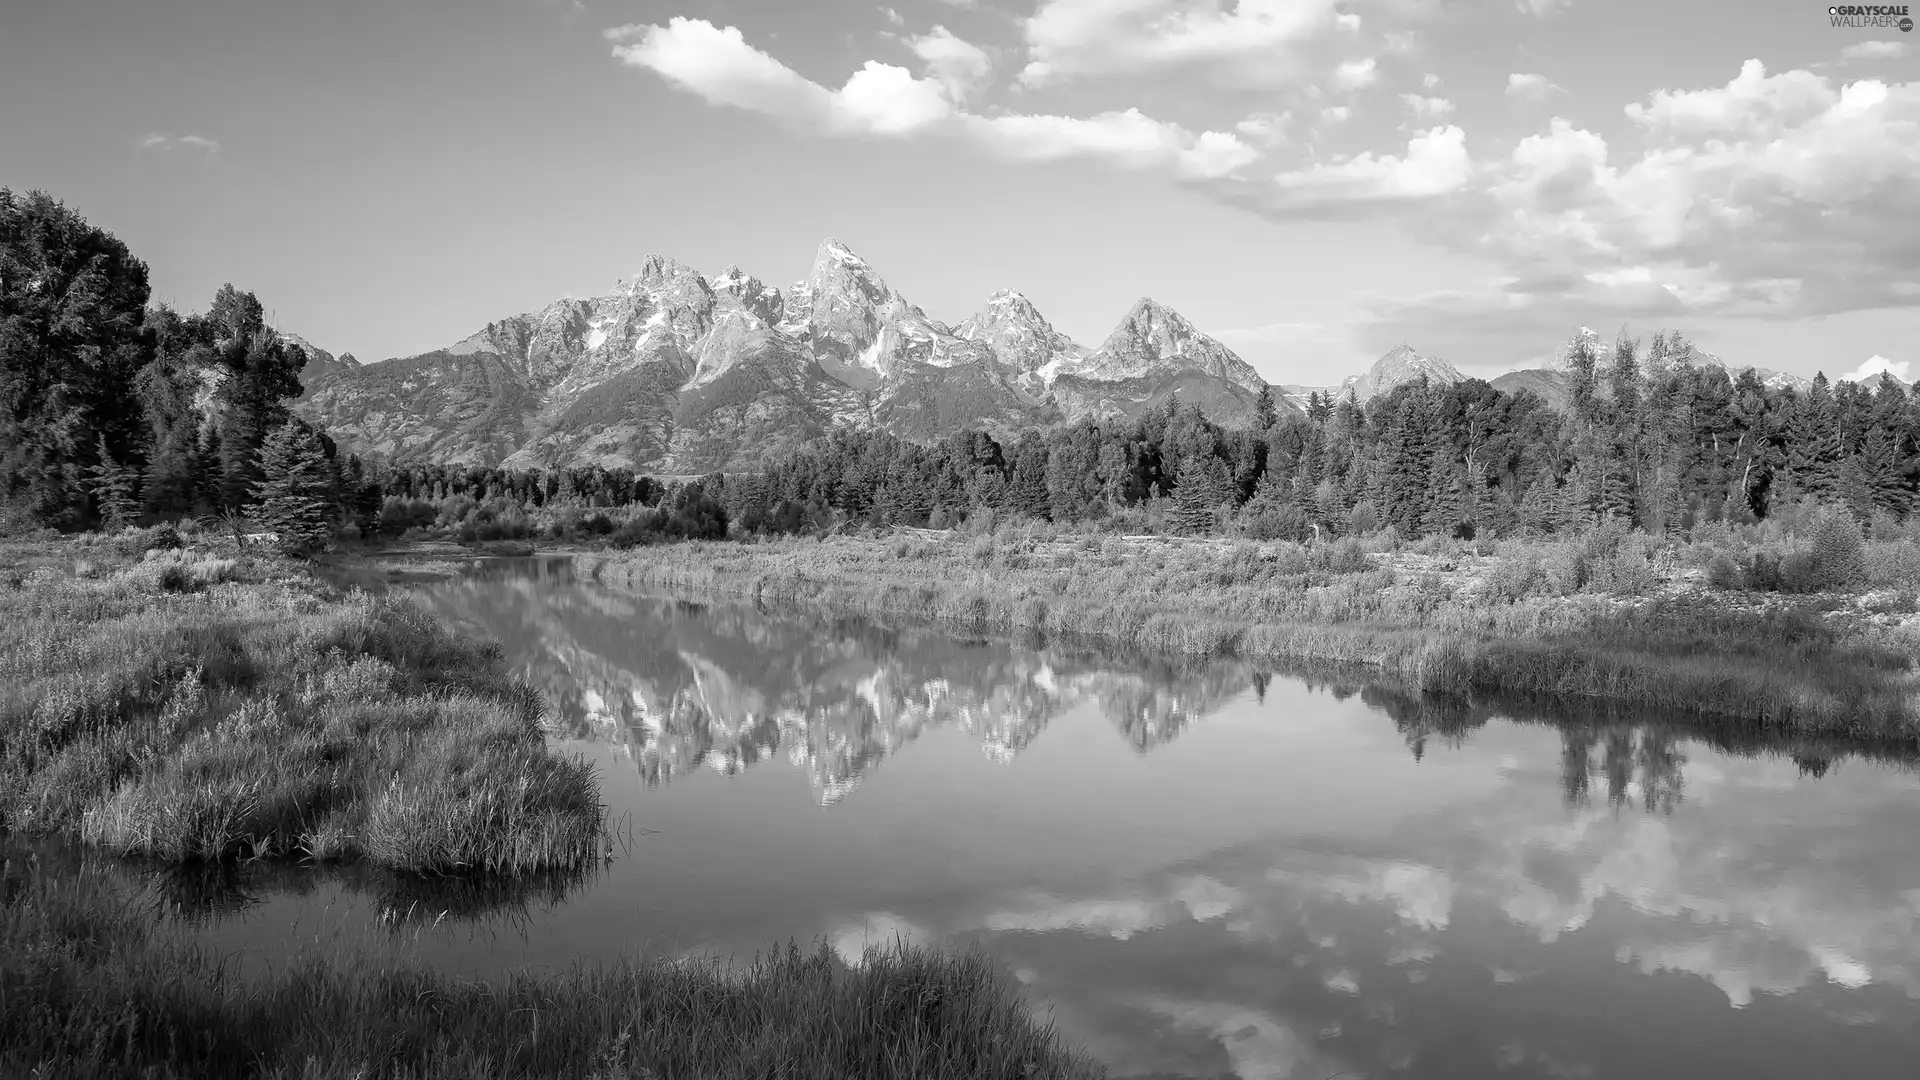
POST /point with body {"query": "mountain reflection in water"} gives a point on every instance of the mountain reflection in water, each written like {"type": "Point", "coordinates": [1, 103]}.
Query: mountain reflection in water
{"type": "Point", "coordinates": [682, 685]}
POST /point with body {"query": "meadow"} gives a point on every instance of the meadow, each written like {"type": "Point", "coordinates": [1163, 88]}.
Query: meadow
{"type": "Point", "coordinates": [1698, 627]}
{"type": "Point", "coordinates": [179, 697]}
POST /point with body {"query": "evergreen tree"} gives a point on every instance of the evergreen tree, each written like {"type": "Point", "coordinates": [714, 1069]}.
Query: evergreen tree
{"type": "Point", "coordinates": [1265, 413]}
{"type": "Point", "coordinates": [72, 339]}
{"type": "Point", "coordinates": [1203, 487]}
{"type": "Point", "coordinates": [115, 489]}
{"type": "Point", "coordinates": [292, 495]}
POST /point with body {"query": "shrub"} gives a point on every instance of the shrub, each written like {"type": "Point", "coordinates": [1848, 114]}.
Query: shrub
{"type": "Point", "coordinates": [1723, 572]}
{"type": "Point", "coordinates": [1264, 519]}
{"type": "Point", "coordinates": [1893, 564]}
{"type": "Point", "coordinates": [133, 543]}
{"type": "Point", "coordinates": [1838, 552]}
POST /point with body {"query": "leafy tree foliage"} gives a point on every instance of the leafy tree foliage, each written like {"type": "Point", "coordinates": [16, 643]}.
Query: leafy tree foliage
{"type": "Point", "coordinates": [72, 336]}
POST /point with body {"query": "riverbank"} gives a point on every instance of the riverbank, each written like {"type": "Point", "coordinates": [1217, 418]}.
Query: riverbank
{"type": "Point", "coordinates": [188, 698]}
{"type": "Point", "coordinates": [93, 984]}
{"type": "Point", "coordinates": [1625, 633]}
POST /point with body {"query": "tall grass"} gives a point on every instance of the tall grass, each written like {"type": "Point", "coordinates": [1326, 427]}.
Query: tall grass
{"type": "Point", "coordinates": [1561, 621]}
{"type": "Point", "coordinates": [93, 985]}
{"type": "Point", "coordinates": [187, 704]}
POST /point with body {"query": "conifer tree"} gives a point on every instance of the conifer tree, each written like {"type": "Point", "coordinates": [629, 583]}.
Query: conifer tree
{"type": "Point", "coordinates": [115, 489]}
{"type": "Point", "coordinates": [292, 494]}
{"type": "Point", "coordinates": [1265, 413]}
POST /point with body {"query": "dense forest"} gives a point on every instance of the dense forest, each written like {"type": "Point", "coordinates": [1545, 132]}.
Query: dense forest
{"type": "Point", "coordinates": [113, 410]}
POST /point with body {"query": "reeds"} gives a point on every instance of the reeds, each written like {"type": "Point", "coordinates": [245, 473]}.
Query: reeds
{"type": "Point", "coordinates": [94, 985]}
{"type": "Point", "coordinates": [186, 705]}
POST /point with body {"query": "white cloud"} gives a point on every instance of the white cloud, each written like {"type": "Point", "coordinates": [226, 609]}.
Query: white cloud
{"type": "Point", "coordinates": [720, 67]}
{"type": "Point", "coordinates": [1876, 365]}
{"type": "Point", "coordinates": [157, 141]}
{"type": "Point", "coordinates": [1430, 80]}
{"type": "Point", "coordinates": [1435, 163]}
{"type": "Point", "coordinates": [1253, 41]}
{"type": "Point", "coordinates": [1128, 138]}
{"type": "Point", "coordinates": [1528, 85]}
{"type": "Point", "coordinates": [1427, 108]}
{"type": "Point", "coordinates": [1335, 114]}
{"type": "Point", "coordinates": [1874, 50]}
{"type": "Point", "coordinates": [1771, 196]}
{"type": "Point", "coordinates": [1356, 74]}
{"type": "Point", "coordinates": [882, 100]}
{"type": "Point", "coordinates": [893, 17]}
{"type": "Point", "coordinates": [1541, 8]}
{"type": "Point", "coordinates": [1269, 129]}
{"type": "Point", "coordinates": [958, 65]}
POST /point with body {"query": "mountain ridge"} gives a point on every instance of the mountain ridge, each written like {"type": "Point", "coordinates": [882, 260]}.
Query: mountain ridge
{"type": "Point", "coordinates": [675, 371]}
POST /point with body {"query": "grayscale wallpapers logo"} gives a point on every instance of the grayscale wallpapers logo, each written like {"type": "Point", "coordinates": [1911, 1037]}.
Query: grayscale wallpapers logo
{"type": "Point", "coordinates": [1862, 16]}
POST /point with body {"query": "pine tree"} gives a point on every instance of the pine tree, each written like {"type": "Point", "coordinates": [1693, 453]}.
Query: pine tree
{"type": "Point", "coordinates": [1265, 414]}
{"type": "Point", "coordinates": [115, 487]}
{"type": "Point", "coordinates": [292, 495]}
{"type": "Point", "coordinates": [1203, 486]}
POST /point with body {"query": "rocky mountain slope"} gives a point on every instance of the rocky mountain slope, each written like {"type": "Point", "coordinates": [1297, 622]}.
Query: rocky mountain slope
{"type": "Point", "coordinates": [680, 373]}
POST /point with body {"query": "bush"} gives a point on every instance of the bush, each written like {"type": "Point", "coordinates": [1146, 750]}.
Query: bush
{"type": "Point", "coordinates": [1264, 519]}
{"type": "Point", "coordinates": [1893, 564]}
{"type": "Point", "coordinates": [134, 543]}
{"type": "Point", "coordinates": [1724, 572]}
{"type": "Point", "coordinates": [1518, 573]}
{"type": "Point", "coordinates": [1837, 550]}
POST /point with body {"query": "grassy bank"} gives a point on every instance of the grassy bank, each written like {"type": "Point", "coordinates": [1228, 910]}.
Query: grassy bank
{"type": "Point", "coordinates": [92, 984]}
{"type": "Point", "coordinates": [1550, 622]}
{"type": "Point", "coordinates": [188, 699]}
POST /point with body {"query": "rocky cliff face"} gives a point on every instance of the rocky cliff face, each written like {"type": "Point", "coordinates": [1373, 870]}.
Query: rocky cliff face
{"type": "Point", "coordinates": [678, 373]}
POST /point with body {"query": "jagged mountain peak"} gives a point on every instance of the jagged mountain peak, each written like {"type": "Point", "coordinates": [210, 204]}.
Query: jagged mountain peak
{"type": "Point", "coordinates": [658, 269]}
{"type": "Point", "coordinates": [834, 252]}
{"type": "Point", "coordinates": [1398, 366]}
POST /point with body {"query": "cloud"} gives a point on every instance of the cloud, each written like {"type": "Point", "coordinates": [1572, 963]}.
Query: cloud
{"type": "Point", "coordinates": [1429, 80]}
{"type": "Point", "coordinates": [1356, 74]}
{"type": "Point", "coordinates": [1541, 8]}
{"type": "Point", "coordinates": [1435, 163]}
{"type": "Point", "coordinates": [1427, 108]}
{"type": "Point", "coordinates": [1874, 50]}
{"type": "Point", "coordinates": [720, 67]}
{"type": "Point", "coordinates": [1335, 114]}
{"type": "Point", "coordinates": [1877, 365]}
{"type": "Point", "coordinates": [1269, 129]}
{"type": "Point", "coordinates": [157, 141]}
{"type": "Point", "coordinates": [959, 66]}
{"type": "Point", "coordinates": [1779, 196]}
{"type": "Point", "coordinates": [1258, 42]}
{"type": "Point", "coordinates": [893, 17]}
{"type": "Point", "coordinates": [1128, 138]}
{"type": "Point", "coordinates": [883, 100]}
{"type": "Point", "coordinates": [1529, 85]}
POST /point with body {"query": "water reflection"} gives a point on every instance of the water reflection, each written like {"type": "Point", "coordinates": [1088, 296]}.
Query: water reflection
{"type": "Point", "coordinates": [684, 686]}
{"type": "Point", "coordinates": [1212, 871]}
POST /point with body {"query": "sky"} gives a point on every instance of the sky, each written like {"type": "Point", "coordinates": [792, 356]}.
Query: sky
{"type": "Point", "coordinates": [1311, 181]}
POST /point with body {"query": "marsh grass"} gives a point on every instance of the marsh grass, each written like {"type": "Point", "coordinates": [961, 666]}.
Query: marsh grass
{"type": "Point", "coordinates": [95, 984]}
{"type": "Point", "coordinates": [166, 700]}
{"type": "Point", "coordinates": [1564, 622]}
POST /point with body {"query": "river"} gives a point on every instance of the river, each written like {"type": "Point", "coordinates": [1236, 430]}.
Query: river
{"type": "Point", "coordinates": [1197, 870]}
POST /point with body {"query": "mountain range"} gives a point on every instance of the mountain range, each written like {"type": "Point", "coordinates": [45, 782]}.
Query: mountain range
{"type": "Point", "coordinates": [676, 372]}
{"type": "Point", "coordinates": [673, 372]}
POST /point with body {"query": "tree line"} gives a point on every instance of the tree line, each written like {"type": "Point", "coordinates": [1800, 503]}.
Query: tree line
{"type": "Point", "coordinates": [112, 410]}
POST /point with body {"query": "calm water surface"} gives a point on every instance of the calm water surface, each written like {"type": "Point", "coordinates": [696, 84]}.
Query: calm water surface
{"type": "Point", "coordinates": [1202, 871]}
